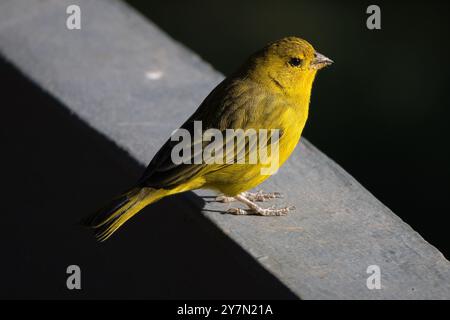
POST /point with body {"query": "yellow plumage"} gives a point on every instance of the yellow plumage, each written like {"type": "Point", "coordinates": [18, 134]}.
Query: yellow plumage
{"type": "Point", "coordinates": [271, 90]}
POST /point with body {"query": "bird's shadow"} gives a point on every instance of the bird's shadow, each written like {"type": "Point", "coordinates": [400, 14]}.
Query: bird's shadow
{"type": "Point", "coordinates": [57, 169]}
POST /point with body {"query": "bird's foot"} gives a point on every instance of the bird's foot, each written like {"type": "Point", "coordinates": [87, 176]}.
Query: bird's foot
{"type": "Point", "coordinates": [261, 196]}
{"type": "Point", "coordinates": [254, 209]}
{"type": "Point", "coordinates": [225, 199]}
{"type": "Point", "coordinates": [261, 211]}
{"type": "Point", "coordinates": [258, 196]}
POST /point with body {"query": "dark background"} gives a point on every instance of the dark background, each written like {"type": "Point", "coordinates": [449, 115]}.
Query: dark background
{"type": "Point", "coordinates": [381, 111]}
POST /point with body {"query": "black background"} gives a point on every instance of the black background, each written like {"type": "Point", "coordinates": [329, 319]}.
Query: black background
{"type": "Point", "coordinates": [381, 111]}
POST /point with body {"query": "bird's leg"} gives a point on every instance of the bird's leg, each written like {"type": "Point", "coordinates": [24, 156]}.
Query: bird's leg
{"type": "Point", "coordinates": [261, 196]}
{"type": "Point", "coordinates": [255, 209]}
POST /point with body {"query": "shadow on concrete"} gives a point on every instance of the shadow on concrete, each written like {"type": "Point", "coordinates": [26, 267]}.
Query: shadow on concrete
{"type": "Point", "coordinates": [55, 170]}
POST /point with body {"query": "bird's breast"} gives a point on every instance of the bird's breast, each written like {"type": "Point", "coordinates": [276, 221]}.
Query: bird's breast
{"type": "Point", "coordinates": [292, 122]}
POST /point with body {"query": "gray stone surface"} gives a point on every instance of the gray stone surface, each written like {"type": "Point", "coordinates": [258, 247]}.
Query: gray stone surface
{"type": "Point", "coordinates": [130, 81]}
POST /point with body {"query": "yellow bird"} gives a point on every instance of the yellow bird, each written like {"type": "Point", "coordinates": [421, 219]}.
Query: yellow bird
{"type": "Point", "coordinates": [270, 91]}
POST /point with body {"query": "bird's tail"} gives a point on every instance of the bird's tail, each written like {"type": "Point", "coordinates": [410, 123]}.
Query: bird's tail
{"type": "Point", "coordinates": [112, 216]}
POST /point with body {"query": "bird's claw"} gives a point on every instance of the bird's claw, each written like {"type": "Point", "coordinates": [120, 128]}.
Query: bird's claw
{"type": "Point", "coordinates": [225, 199]}
{"type": "Point", "coordinates": [261, 196]}
{"type": "Point", "coordinates": [237, 211]}
{"type": "Point", "coordinates": [261, 211]}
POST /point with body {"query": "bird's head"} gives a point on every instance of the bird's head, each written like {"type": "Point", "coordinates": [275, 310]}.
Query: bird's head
{"type": "Point", "coordinates": [288, 65]}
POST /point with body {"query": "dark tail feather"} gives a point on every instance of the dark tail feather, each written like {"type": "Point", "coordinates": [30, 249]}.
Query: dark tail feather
{"type": "Point", "coordinates": [97, 218]}
{"type": "Point", "coordinates": [112, 216]}
{"type": "Point", "coordinates": [104, 221]}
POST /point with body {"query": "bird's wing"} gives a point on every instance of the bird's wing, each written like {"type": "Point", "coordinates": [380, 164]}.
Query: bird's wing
{"type": "Point", "coordinates": [219, 110]}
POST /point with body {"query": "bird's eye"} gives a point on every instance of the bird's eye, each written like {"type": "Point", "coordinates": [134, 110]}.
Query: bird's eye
{"type": "Point", "coordinates": [295, 62]}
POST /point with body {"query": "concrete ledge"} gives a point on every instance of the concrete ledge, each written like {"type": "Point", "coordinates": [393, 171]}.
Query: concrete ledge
{"type": "Point", "coordinates": [128, 80]}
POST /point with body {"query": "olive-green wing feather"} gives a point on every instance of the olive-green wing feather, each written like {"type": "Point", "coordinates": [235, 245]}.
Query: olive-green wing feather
{"type": "Point", "coordinates": [221, 109]}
